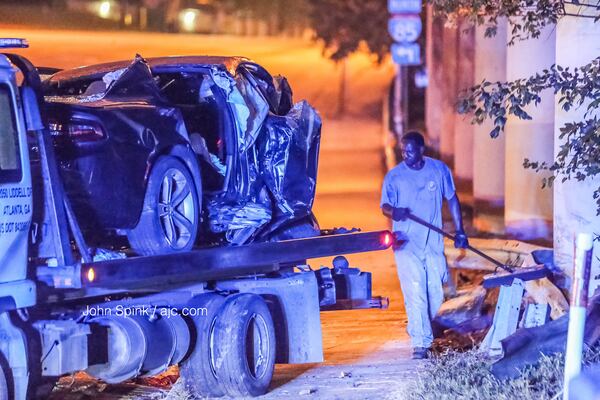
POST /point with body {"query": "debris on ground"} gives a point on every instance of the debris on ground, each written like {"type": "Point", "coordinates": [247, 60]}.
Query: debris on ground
{"type": "Point", "coordinates": [462, 321]}
{"type": "Point", "coordinates": [466, 306]}
{"type": "Point", "coordinates": [515, 254]}
{"type": "Point", "coordinates": [525, 346]}
{"type": "Point", "coordinates": [179, 391]}
{"type": "Point", "coordinates": [459, 342]}
{"type": "Point", "coordinates": [306, 392]}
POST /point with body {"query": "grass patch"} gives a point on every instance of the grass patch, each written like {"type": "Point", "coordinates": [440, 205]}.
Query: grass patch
{"type": "Point", "coordinates": [455, 375]}
{"type": "Point", "coordinates": [467, 376]}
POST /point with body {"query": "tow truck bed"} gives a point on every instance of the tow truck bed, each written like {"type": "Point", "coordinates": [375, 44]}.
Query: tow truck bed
{"type": "Point", "coordinates": [208, 264]}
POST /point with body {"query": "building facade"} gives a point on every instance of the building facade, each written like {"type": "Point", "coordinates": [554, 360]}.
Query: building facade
{"type": "Point", "coordinates": [506, 197]}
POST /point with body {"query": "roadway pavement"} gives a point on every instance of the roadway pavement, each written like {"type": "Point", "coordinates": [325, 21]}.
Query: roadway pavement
{"type": "Point", "coordinates": [367, 353]}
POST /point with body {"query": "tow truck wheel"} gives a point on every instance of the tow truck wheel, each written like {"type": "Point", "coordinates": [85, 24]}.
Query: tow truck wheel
{"type": "Point", "coordinates": [245, 346]}
{"type": "Point", "coordinates": [171, 212]}
{"type": "Point", "coordinates": [198, 370]}
{"type": "Point", "coordinates": [5, 390]}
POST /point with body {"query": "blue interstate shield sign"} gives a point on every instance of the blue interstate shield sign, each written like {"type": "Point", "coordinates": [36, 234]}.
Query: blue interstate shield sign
{"type": "Point", "coordinates": [404, 6]}
{"type": "Point", "coordinates": [406, 53]}
{"type": "Point", "coordinates": [405, 28]}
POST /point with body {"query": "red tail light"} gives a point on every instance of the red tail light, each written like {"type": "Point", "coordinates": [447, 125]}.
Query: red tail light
{"type": "Point", "coordinates": [86, 131]}
{"type": "Point", "coordinates": [79, 131]}
{"type": "Point", "coordinates": [386, 239]}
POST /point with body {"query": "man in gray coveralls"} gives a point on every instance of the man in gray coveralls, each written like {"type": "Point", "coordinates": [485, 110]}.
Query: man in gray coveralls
{"type": "Point", "coordinates": [418, 186]}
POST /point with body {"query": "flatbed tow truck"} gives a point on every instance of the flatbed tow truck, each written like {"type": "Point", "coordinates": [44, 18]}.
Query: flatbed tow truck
{"type": "Point", "coordinates": [225, 315]}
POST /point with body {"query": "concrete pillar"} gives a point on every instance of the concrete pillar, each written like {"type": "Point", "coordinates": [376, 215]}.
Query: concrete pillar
{"type": "Point", "coordinates": [528, 207]}
{"type": "Point", "coordinates": [433, 95]}
{"type": "Point", "coordinates": [463, 129]}
{"type": "Point", "coordinates": [449, 93]}
{"type": "Point", "coordinates": [488, 153]}
{"type": "Point", "coordinates": [577, 43]}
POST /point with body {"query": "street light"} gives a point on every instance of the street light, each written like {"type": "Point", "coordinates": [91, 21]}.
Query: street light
{"type": "Point", "coordinates": [104, 9]}
{"type": "Point", "coordinates": [188, 19]}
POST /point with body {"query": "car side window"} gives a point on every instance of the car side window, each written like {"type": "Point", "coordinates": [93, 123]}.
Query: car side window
{"type": "Point", "coordinates": [194, 93]}
{"type": "Point", "coordinates": [10, 158]}
{"type": "Point", "coordinates": [180, 88]}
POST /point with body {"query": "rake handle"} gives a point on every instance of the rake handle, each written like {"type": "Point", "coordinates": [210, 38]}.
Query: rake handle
{"type": "Point", "coordinates": [451, 237]}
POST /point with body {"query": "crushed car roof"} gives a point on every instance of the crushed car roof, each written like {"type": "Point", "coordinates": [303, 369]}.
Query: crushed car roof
{"type": "Point", "coordinates": [229, 62]}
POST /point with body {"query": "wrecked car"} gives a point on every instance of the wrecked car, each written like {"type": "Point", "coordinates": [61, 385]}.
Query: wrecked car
{"type": "Point", "coordinates": [173, 152]}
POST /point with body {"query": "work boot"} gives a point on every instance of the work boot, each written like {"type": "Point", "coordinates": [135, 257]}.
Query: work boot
{"type": "Point", "coordinates": [420, 353]}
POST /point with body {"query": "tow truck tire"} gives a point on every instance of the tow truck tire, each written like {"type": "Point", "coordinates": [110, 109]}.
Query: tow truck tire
{"type": "Point", "coordinates": [198, 369]}
{"type": "Point", "coordinates": [171, 211]}
{"type": "Point", "coordinates": [245, 346]}
{"type": "Point", "coordinates": [5, 389]}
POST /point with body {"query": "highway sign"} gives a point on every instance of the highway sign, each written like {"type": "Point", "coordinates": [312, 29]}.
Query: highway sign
{"type": "Point", "coordinates": [406, 53]}
{"type": "Point", "coordinates": [405, 28]}
{"type": "Point", "coordinates": [404, 6]}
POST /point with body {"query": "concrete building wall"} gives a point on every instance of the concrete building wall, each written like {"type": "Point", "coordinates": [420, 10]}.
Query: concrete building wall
{"type": "Point", "coordinates": [449, 93]}
{"type": "Point", "coordinates": [574, 206]}
{"type": "Point", "coordinates": [488, 153]}
{"type": "Point", "coordinates": [528, 208]}
{"type": "Point", "coordinates": [463, 130]}
{"type": "Point", "coordinates": [433, 94]}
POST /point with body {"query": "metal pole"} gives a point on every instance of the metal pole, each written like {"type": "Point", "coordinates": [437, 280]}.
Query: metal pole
{"type": "Point", "coordinates": [398, 118]}
{"type": "Point", "coordinates": [579, 298]}
{"type": "Point", "coordinates": [404, 104]}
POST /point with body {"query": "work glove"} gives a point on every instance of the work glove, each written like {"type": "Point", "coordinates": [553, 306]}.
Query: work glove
{"type": "Point", "coordinates": [460, 240]}
{"type": "Point", "coordinates": [400, 213]}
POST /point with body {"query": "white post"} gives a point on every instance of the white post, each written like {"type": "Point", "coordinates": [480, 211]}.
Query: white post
{"type": "Point", "coordinates": [579, 297]}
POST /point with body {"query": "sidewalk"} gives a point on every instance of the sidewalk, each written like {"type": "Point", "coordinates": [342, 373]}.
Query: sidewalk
{"type": "Point", "coordinates": [367, 352]}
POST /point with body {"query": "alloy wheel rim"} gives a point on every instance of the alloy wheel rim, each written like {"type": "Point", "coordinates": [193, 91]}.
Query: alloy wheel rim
{"type": "Point", "coordinates": [176, 209]}
{"type": "Point", "coordinates": [257, 347]}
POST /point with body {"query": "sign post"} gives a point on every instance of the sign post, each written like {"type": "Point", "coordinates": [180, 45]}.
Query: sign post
{"type": "Point", "coordinates": [404, 26]}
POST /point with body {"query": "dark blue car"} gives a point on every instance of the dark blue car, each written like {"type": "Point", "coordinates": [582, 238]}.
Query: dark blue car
{"type": "Point", "coordinates": [177, 151]}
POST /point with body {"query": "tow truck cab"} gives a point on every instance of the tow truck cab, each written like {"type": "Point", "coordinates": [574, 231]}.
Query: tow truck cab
{"type": "Point", "coordinates": [18, 112]}
{"type": "Point", "coordinates": [15, 177]}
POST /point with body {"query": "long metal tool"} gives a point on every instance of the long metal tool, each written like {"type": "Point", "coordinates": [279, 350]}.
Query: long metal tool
{"type": "Point", "coordinates": [451, 237]}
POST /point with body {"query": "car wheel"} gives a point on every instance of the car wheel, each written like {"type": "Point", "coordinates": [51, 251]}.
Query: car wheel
{"type": "Point", "coordinates": [171, 212]}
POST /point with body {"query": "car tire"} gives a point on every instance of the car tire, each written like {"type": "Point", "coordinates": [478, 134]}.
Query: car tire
{"type": "Point", "coordinates": [244, 346]}
{"type": "Point", "coordinates": [171, 211]}
{"type": "Point", "coordinates": [197, 369]}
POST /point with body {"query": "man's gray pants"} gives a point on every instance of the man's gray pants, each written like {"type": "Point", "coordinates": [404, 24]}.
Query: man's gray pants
{"type": "Point", "coordinates": [421, 279]}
